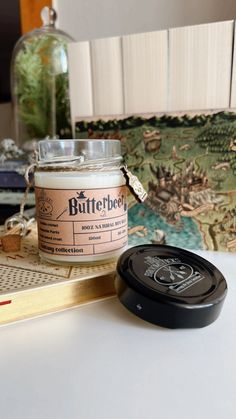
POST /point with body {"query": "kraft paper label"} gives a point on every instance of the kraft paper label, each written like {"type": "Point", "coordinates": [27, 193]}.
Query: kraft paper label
{"type": "Point", "coordinates": [81, 222]}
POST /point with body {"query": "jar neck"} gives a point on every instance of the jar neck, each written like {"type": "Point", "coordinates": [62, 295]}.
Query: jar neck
{"type": "Point", "coordinates": [79, 154]}
{"type": "Point", "coordinates": [77, 164]}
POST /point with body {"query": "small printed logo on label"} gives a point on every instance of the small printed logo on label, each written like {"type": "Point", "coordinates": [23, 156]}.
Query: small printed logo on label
{"type": "Point", "coordinates": [44, 205]}
{"type": "Point", "coordinates": [172, 273]}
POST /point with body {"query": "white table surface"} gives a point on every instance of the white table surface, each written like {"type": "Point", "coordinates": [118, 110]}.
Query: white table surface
{"type": "Point", "coordinates": [101, 362]}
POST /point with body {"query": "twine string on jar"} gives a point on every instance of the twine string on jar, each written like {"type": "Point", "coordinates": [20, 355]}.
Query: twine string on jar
{"type": "Point", "coordinates": [20, 222]}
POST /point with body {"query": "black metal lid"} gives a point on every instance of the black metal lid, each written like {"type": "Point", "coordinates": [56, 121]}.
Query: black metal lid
{"type": "Point", "coordinates": [170, 286]}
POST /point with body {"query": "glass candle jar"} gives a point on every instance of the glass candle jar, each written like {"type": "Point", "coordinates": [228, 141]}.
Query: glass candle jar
{"type": "Point", "coordinates": [81, 201]}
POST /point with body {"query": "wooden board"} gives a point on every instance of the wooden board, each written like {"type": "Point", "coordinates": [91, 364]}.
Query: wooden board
{"type": "Point", "coordinates": [145, 61]}
{"type": "Point", "coordinates": [29, 287]}
{"type": "Point", "coordinates": [180, 69]}
{"type": "Point", "coordinates": [106, 60]}
{"type": "Point", "coordinates": [80, 80]}
{"type": "Point", "coordinates": [200, 60]}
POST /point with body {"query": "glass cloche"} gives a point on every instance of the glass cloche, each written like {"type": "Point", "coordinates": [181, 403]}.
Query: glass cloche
{"type": "Point", "coordinates": [39, 83]}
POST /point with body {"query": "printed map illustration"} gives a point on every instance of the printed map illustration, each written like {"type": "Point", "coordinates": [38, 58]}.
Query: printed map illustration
{"type": "Point", "coordinates": [187, 163]}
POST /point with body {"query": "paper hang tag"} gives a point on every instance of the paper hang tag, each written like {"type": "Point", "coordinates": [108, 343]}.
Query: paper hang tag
{"type": "Point", "coordinates": [134, 185]}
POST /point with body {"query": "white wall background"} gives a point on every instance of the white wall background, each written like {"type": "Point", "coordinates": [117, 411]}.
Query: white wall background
{"type": "Point", "coordinates": [91, 19]}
